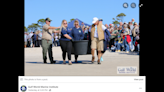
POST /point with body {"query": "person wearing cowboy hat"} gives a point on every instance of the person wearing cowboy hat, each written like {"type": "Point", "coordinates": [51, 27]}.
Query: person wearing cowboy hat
{"type": "Point", "coordinates": [97, 37]}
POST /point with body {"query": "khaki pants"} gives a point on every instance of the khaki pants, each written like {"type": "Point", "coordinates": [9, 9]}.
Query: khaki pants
{"type": "Point", "coordinates": [97, 44]}
{"type": "Point", "coordinates": [47, 46]}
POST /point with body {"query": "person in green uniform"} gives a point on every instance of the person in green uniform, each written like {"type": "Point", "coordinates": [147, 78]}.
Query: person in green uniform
{"type": "Point", "coordinates": [47, 41]}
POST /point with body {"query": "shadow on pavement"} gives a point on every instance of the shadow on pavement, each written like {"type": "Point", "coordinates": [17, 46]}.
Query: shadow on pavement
{"type": "Point", "coordinates": [61, 62]}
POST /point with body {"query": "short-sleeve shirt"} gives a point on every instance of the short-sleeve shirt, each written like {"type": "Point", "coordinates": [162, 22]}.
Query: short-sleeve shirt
{"type": "Point", "coordinates": [63, 32]}
{"type": "Point", "coordinates": [25, 38]}
{"type": "Point", "coordinates": [114, 32]}
{"type": "Point", "coordinates": [131, 28]}
{"type": "Point", "coordinates": [96, 33]}
{"type": "Point", "coordinates": [45, 32]}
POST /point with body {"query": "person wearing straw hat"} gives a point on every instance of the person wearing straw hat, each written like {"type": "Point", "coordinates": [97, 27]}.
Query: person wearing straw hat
{"type": "Point", "coordinates": [97, 37]}
{"type": "Point", "coordinates": [47, 41]}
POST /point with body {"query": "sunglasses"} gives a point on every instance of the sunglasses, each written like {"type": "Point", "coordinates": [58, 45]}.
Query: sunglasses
{"type": "Point", "coordinates": [65, 23]}
{"type": "Point", "coordinates": [76, 24]}
{"type": "Point", "coordinates": [49, 21]}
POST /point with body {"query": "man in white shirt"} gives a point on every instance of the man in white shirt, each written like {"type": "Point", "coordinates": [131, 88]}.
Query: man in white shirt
{"type": "Point", "coordinates": [25, 40]}
{"type": "Point", "coordinates": [31, 43]}
{"type": "Point", "coordinates": [56, 40]}
{"type": "Point", "coordinates": [97, 37]}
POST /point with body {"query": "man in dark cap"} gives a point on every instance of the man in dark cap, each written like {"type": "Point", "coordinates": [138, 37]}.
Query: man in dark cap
{"type": "Point", "coordinates": [47, 41]}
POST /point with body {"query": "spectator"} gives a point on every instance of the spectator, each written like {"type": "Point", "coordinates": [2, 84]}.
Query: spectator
{"type": "Point", "coordinates": [88, 27]}
{"type": "Point", "coordinates": [119, 44]}
{"type": "Point", "coordinates": [108, 40]}
{"type": "Point", "coordinates": [39, 38]}
{"type": "Point", "coordinates": [116, 27]}
{"type": "Point", "coordinates": [31, 42]}
{"type": "Point", "coordinates": [52, 38]}
{"type": "Point", "coordinates": [28, 40]}
{"type": "Point", "coordinates": [137, 43]}
{"type": "Point", "coordinates": [133, 21]}
{"type": "Point", "coordinates": [106, 25]}
{"type": "Point", "coordinates": [111, 28]}
{"type": "Point", "coordinates": [85, 33]}
{"type": "Point", "coordinates": [25, 40]}
{"type": "Point", "coordinates": [119, 31]}
{"type": "Point", "coordinates": [34, 39]}
{"type": "Point", "coordinates": [135, 31]}
{"type": "Point", "coordinates": [82, 26]}
{"type": "Point", "coordinates": [121, 25]}
{"type": "Point", "coordinates": [56, 40]}
{"type": "Point", "coordinates": [126, 38]}
{"type": "Point", "coordinates": [130, 26]}
{"type": "Point", "coordinates": [114, 33]}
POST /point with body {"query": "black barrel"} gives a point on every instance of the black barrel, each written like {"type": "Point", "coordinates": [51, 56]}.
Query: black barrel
{"type": "Point", "coordinates": [80, 47]}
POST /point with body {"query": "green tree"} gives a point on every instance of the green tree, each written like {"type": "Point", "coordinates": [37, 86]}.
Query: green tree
{"type": "Point", "coordinates": [120, 16]}
{"type": "Point", "coordinates": [33, 27]}
{"type": "Point", "coordinates": [71, 20]}
{"type": "Point", "coordinates": [115, 22]}
{"type": "Point", "coordinates": [25, 29]}
{"type": "Point", "coordinates": [41, 22]}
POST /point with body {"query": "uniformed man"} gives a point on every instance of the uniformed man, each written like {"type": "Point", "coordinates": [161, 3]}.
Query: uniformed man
{"type": "Point", "coordinates": [47, 41]}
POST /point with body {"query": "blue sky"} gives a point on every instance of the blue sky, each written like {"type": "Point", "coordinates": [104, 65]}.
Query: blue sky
{"type": "Point", "coordinates": [85, 10]}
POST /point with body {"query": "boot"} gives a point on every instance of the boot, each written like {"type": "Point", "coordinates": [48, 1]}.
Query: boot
{"type": "Point", "coordinates": [98, 62]}
{"type": "Point", "coordinates": [93, 57]}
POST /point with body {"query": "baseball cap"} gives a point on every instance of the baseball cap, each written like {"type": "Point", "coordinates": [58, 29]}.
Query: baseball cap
{"type": "Point", "coordinates": [48, 19]}
{"type": "Point", "coordinates": [135, 23]}
{"type": "Point", "coordinates": [94, 20]}
{"type": "Point", "coordinates": [100, 19]}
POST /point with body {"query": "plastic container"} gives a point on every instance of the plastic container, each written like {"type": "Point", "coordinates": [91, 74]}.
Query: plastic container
{"type": "Point", "coordinates": [80, 47]}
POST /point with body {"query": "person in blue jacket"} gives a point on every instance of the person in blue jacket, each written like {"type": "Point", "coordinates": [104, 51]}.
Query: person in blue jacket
{"type": "Point", "coordinates": [106, 40]}
{"type": "Point", "coordinates": [77, 34]}
{"type": "Point", "coordinates": [65, 41]}
{"type": "Point", "coordinates": [34, 39]}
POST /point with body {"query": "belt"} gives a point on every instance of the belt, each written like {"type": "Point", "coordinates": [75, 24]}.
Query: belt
{"type": "Point", "coordinates": [46, 39]}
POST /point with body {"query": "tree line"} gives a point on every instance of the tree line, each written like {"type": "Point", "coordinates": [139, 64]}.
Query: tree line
{"type": "Point", "coordinates": [34, 26]}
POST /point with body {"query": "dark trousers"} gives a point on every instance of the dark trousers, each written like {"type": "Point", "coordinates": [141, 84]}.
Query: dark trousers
{"type": "Point", "coordinates": [66, 46]}
{"type": "Point", "coordinates": [40, 43]}
{"type": "Point", "coordinates": [56, 43]}
{"type": "Point", "coordinates": [34, 42]}
{"type": "Point", "coordinates": [37, 43]}
{"type": "Point", "coordinates": [76, 56]}
{"type": "Point", "coordinates": [47, 45]}
{"type": "Point", "coordinates": [28, 43]}
{"type": "Point", "coordinates": [111, 42]}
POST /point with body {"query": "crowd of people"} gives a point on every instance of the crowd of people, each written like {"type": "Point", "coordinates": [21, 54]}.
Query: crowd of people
{"type": "Point", "coordinates": [125, 37]}
{"type": "Point", "coordinates": [34, 39]}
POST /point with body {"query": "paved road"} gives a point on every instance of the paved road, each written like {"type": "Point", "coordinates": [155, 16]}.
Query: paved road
{"type": "Point", "coordinates": [34, 64]}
